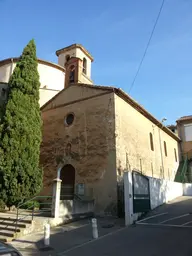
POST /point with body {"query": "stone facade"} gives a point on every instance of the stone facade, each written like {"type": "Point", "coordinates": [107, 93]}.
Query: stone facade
{"type": "Point", "coordinates": [92, 141]}
{"type": "Point", "coordinates": [133, 147]}
{"type": "Point", "coordinates": [108, 135]}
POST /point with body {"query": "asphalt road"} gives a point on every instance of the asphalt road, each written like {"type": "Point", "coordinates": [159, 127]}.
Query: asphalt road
{"type": "Point", "coordinates": [166, 231]}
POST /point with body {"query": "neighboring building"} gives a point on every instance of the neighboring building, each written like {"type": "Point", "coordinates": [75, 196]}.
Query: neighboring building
{"type": "Point", "coordinates": [173, 128]}
{"type": "Point", "coordinates": [98, 132]}
{"type": "Point", "coordinates": [184, 127]}
{"type": "Point", "coordinates": [52, 76]}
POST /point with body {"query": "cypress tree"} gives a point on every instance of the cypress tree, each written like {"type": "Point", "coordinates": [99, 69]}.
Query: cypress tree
{"type": "Point", "coordinates": [20, 132]}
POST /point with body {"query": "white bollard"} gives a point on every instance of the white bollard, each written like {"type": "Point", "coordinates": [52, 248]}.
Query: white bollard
{"type": "Point", "coordinates": [47, 234]}
{"type": "Point", "coordinates": [94, 228]}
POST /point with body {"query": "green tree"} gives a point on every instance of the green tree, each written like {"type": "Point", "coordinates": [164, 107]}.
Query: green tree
{"type": "Point", "coordinates": [20, 132]}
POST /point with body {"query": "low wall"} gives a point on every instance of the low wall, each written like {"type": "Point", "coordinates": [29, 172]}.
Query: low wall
{"type": "Point", "coordinates": [163, 191]}
{"type": "Point", "coordinates": [69, 207]}
{"type": "Point", "coordinates": [187, 189]}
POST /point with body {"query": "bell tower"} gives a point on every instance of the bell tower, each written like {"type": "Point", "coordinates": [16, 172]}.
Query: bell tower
{"type": "Point", "coordinates": [77, 62]}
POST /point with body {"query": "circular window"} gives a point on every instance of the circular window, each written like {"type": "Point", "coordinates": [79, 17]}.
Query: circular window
{"type": "Point", "coordinates": [69, 119]}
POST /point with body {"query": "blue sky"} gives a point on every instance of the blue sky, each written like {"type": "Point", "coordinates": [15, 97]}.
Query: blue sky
{"type": "Point", "coordinates": [116, 33]}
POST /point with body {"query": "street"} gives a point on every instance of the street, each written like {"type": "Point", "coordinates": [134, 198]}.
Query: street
{"type": "Point", "coordinates": [139, 240]}
{"type": "Point", "coordinates": [165, 231]}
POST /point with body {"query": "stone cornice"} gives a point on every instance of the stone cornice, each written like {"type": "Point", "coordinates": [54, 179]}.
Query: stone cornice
{"type": "Point", "coordinates": [65, 49]}
{"type": "Point", "coordinates": [40, 61]}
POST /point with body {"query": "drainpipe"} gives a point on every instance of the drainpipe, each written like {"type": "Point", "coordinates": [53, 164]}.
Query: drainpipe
{"type": "Point", "coordinates": [162, 163]}
{"type": "Point", "coordinates": [59, 172]}
{"type": "Point", "coordinates": [164, 119]}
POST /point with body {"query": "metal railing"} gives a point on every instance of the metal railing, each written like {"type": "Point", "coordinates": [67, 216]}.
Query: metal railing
{"type": "Point", "coordinates": [30, 210]}
{"type": "Point", "coordinates": [184, 170]}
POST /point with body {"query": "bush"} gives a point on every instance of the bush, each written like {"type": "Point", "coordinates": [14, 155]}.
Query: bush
{"type": "Point", "coordinates": [29, 205]}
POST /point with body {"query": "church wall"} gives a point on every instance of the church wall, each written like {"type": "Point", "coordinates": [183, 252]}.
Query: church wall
{"type": "Point", "coordinates": [134, 148]}
{"type": "Point", "coordinates": [50, 77]}
{"type": "Point", "coordinates": [84, 79]}
{"type": "Point", "coordinates": [92, 147]}
{"type": "Point", "coordinates": [62, 56]}
{"type": "Point", "coordinates": [73, 93]}
{"type": "Point", "coordinates": [45, 95]}
{"type": "Point", "coordinates": [6, 71]}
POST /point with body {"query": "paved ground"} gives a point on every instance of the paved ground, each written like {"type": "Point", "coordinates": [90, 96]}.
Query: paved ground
{"type": "Point", "coordinates": [165, 231]}
{"type": "Point", "coordinates": [178, 213]}
{"type": "Point", "coordinates": [66, 237]}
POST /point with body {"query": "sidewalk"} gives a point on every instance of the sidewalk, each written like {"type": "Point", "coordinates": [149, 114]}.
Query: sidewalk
{"type": "Point", "coordinates": [66, 237]}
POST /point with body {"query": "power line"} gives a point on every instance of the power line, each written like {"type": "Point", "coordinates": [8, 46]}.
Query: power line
{"type": "Point", "coordinates": [147, 46]}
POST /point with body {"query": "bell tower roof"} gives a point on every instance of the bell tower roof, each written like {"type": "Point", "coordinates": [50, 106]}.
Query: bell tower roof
{"type": "Point", "coordinates": [75, 46]}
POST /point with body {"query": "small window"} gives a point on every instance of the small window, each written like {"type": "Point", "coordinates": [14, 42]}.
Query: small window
{"type": "Point", "coordinates": [67, 58]}
{"type": "Point", "coordinates": [165, 148]}
{"type": "Point", "coordinates": [69, 119]}
{"type": "Point", "coordinates": [72, 74]}
{"type": "Point", "coordinates": [175, 152]}
{"type": "Point", "coordinates": [151, 141]}
{"type": "Point", "coordinates": [188, 132]}
{"type": "Point", "coordinates": [84, 66]}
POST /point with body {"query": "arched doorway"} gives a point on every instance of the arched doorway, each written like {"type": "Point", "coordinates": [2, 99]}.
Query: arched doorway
{"type": "Point", "coordinates": [68, 182]}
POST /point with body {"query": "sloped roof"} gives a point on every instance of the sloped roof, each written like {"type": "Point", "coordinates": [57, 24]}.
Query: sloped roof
{"type": "Point", "coordinates": [70, 47]}
{"type": "Point", "coordinates": [184, 118]}
{"type": "Point", "coordinates": [119, 92]}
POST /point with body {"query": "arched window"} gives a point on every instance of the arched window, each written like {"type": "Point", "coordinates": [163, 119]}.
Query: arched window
{"type": "Point", "coordinates": [72, 74]}
{"type": "Point", "coordinates": [151, 141]}
{"type": "Point", "coordinates": [175, 152]}
{"type": "Point", "coordinates": [67, 58]}
{"type": "Point", "coordinates": [84, 66]}
{"type": "Point", "coordinates": [165, 148]}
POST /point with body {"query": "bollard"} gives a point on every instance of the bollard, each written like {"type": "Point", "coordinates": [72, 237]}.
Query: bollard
{"type": "Point", "coordinates": [47, 234]}
{"type": "Point", "coordinates": [94, 228]}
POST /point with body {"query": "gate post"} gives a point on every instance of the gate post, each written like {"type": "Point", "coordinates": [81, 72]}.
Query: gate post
{"type": "Point", "coordinates": [56, 198]}
{"type": "Point", "coordinates": [128, 198]}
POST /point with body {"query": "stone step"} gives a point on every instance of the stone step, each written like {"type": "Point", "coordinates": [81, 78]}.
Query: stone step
{"type": "Point", "coordinates": [13, 224]}
{"type": "Point", "coordinates": [5, 239]}
{"type": "Point", "coordinates": [12, 219]}
{"type": "Point", "coordinates": [7, 233]}
{"type": "Point", "coordinates": [4, 227]}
